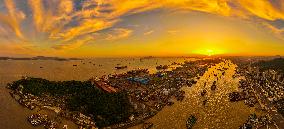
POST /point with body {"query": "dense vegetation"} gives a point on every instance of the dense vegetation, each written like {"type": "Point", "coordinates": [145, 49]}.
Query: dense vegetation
{"type": "Point", "coordinates": [277, 64]}
{"type": "Point", "coordinates": [280, 106]}
{"type": "Point", "coordinates": [105, 108]}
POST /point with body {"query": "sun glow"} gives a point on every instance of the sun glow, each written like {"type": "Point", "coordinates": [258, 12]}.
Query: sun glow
{"type": "Point", "coordinates": [209, 52]}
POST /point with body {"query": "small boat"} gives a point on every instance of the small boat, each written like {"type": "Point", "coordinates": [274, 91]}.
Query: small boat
{"type": "Point", "coordinates": [191, 120]}
{"type": "Point", "coordinates": [160, 67]}
{"type": "Point", "coordinates": [204, 102]}
{"type": "Point", "coordinates": [121, 67]}
{"type": "Point", "coordinates": [12, 95]}
{"type": "Point", "coordinates": [203, 93]}
{"type": "Point", "coordinates": [213, 87]}
{"type": "Point", "coordinates": [147, 125]}
{"type": "Point", "coordinates": [169, 103]}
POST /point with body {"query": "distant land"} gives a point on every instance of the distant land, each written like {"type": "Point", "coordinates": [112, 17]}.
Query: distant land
{"type": "Point", "coordinates": [39, 58]}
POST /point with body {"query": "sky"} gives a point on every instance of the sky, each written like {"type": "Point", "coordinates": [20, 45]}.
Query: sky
{"type": "Point", "coordinates": [114, 28]}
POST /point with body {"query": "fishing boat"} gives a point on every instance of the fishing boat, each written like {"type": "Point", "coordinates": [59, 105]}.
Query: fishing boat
{"type": "Point", "coordinates": [203, 93]}
{"type": "Point", "coordinates": [121, 67]}
{"type": "Point", "coordinates": [161, 67]}
{"type": "Point", "coordinates": [191, 120]}
{"type": "Point", "coordinates": [147, 125]}
{"type": "Point", "coordinates": [214, 86]}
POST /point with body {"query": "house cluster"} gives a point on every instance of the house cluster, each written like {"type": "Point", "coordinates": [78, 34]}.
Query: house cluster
{"type": "Point", "coordinates": [80, 119]}
{"type": "Point", "coordinates": [42, 119]}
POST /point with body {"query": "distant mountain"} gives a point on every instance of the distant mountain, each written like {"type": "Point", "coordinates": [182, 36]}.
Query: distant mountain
{"type": "Point", "coordinates": [38, 58]}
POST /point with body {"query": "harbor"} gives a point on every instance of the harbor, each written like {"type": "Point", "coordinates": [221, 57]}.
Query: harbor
{"type": "Point", "coordinates": [14, 70]}
{"type": "Point", "coordinates": [205, 93]}
{"type": "Point", "coordinates": [217, 112]}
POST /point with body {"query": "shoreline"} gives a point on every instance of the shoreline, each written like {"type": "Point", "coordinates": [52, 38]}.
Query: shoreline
{"type": "Point", "coordinates": [127, 123]}
{"type": "Point", "coordinates": [114, 82]}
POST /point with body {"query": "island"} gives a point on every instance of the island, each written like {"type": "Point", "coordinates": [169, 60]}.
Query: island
{"type": "Point", "coordinates": [79, 101]}
{"type": "Point", "coordinates": [39, 58]}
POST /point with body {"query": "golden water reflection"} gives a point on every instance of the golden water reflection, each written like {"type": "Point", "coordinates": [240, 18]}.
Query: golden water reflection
{"type": "Point", "coordinates": [217, 113]}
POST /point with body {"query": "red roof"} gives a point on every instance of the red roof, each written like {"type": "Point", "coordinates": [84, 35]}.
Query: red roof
{"type": "Point", "coordinates": [104, 86]}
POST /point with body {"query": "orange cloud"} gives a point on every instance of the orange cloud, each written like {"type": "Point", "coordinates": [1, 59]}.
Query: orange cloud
{"type": "Point", "coordinates": [62, 22]}
{"type": "Point", "coordinates": [278, 32]}
{"type": "Point", "coordinates": [220, 7]}
{"type": "Point", "coordinates": [73, 44]}
{"type": "Point", "coordinates": [13, 19]}
{"type": "Point", "coordinates": [173, 32]}
{"type": "Point", "coordinates": [149, 32]}
{"type": "Point", "coordinates": [37, 8]}
{"type": "Point", "coordinates": [263, 9]}
{"type": "Point", "coordinates": [65, 7]}
{"type": "Point", "coordinates": [13, 24]}
{"type": "Point", "coordinates": [15, 47]}
{"type": "Point", "coordinates": [118, 33]}
{"type": "Point", "coordinates": [85, 27]}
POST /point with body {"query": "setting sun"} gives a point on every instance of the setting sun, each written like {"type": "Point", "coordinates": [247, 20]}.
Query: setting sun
{"type": "Point", "coordinates": [210, 52]}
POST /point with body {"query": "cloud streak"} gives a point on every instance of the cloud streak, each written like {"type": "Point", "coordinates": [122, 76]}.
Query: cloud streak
{"type": "Point", "coordinates": [263, 9]}
{"type": "Point", "coordinates": [13, 19]}
{"type": "Point", "coordinates": [118, 33]}
{"type": "Point", "coordinates": [37, 8]}
{"type": "Point", "coordinates": [149, 32]}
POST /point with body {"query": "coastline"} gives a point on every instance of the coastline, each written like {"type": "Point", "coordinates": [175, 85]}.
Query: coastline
{"type": "Point", "coordinates": [4, 87]}
{"type": "Point", "coordinates": [197, 100]}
